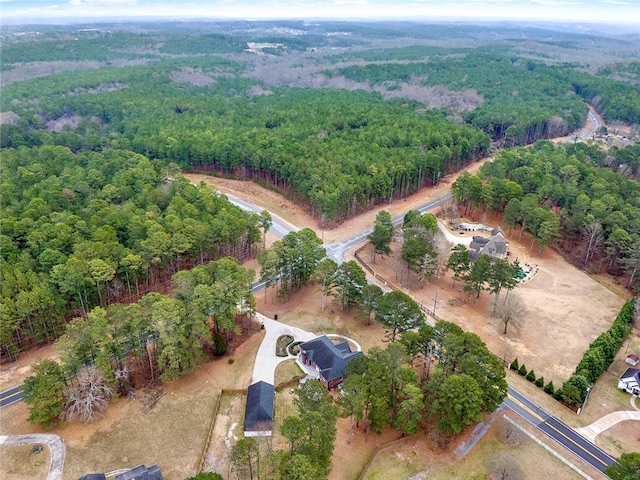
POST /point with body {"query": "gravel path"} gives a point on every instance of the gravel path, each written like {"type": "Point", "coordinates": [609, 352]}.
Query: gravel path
{"type": "Point", "coordinates": [54, 442]}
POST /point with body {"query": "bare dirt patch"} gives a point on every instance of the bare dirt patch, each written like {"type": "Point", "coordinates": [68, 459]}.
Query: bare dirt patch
{"type": "Point", "coordinates": [192, 76]}
{"type": "Point", "coordinates": [13, 374]}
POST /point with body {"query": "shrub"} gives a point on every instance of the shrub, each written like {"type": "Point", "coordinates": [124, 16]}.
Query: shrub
{"type": "Point", "coordinates": [219, 344]}
{"type": "Point", "coordinates": [549, 388]}
{"type": "Point", "coordinates": [540, 382]}
{"type": "Point", "coordinates": [522, 371]}
{"type": "Point", "coordinates": [281, 345]}
{"type": "Point", "coordinates": [574, 390]}
{"type": "Point", "coordinates": [514, 365]}
{"type": "Point", "coordinates": [231, 361]}
{"type": "Point", "coordinates": [531, 376]}
{"type": "Point", "coordinates": [557, 394]}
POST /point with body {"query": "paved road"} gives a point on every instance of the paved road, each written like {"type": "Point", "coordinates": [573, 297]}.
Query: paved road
{"type": "Point", "coordinates": [336, 251]}
{"type": "Point", "coordinates": [11, 396]}
{"type": "Point", "coordinates": [558, 431]}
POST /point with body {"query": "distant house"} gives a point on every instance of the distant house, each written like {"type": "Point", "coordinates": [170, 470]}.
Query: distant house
{"type": "Point", "coordinates": [329, 359]}
{"type": "Point", "coordinates": [141, 473]}
{"type": "Point", "coordinates": [137, 473]}
{"type": "Point", "coordinates": [630, 381]}
{"type": "Point", "coordinates": [632, 359]}
{"type": "Point", "coordinates": [496, 245]}
{"type": "Point", "coordinates": [258, 414]}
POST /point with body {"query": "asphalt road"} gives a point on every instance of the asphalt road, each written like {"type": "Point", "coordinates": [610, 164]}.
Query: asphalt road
{"type": "Point", "coordinates": [11, 396]}
{"type": "Point", "coordinates": [557, 430]}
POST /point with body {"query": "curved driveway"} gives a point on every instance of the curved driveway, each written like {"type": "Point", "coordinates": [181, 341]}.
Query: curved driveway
{"type": "Point", "coordinates": [266, 359]}
{"type": "Point", "coordinates": [54, 442]}
{"type": "Point", "coordinates": [590, 432]}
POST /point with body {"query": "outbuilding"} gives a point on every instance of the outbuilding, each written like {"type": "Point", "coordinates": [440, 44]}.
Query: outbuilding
{"type": "Point", "coordinates": [258, 414]}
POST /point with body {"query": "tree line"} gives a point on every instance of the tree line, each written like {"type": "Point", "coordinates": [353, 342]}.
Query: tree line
{"type": "Point", "coordinates": [116, 349]}
{"type": "Point", "coordinates": [81, 230]}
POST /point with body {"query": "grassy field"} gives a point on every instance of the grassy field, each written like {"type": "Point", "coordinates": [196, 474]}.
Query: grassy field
{"type": "Point", "coordinates": [20, 463]}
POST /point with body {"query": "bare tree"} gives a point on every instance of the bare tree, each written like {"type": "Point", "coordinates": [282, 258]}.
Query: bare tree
{"type": "Point", "coordinates": [512, 312]}
{"type": "Point", "coordinates": [504, 466]}
{"type": "Point", "coordinates": [442, 248]}
{"type": "Point", "coordinates": [509, 434]}
{"type": "Point", "coordinates": [593, 239]}
{"type": "Point", "coordinates": [427, 266]}
{"type": "Point", "coordinates": [88, 396]}
{"type": "Point", "coordinates": [450, 210]}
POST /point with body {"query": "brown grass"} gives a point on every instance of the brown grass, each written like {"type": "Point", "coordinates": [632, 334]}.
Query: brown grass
{"type": "Point", "coordinates": [20, 463]}
{"type": "Point", "coordinates": [415, 458]}
{"type": "Point", "coordinates": [172, 434]}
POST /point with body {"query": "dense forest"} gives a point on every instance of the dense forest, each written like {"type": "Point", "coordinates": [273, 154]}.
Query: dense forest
{"type": "Point", "coordinates": [97, 121]}
{"type": "Point", "coordinates": [80, 230]}
{"type": "Point", "coordinates": [190, 94]}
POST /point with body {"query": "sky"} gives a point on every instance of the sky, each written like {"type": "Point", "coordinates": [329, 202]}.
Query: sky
{"type": "Point", "coordinates": [593, 11]}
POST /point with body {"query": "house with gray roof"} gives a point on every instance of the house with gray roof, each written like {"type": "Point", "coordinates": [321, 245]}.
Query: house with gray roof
{"type": "Point", "coordinates": [258, 414]}
{"type": "Point", "coordinates": [329, 359]}
{"type": "Point", "coordinates": [495, 246]}
{"type": "Point", "coordinates": [630, 381]}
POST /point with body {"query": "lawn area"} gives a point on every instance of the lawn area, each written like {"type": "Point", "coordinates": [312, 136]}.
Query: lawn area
{"type": "Point", "coordinates": [287, 370]}
{"type": "Point", "coordinates": [20, 463]}
{"type": "Point", "coordinates": [413, 459]}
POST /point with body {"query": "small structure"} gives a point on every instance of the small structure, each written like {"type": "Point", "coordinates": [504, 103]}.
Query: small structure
{"type": "Point", "coordinates": [94, 476]}
{"type": "Point", "coordinates": [630, 381]}
{"type": "Point", "coordinates": [327, 358]}
{"type": "Point", "coordinates": [141, 473]}
{"type": "Point", "coordinates": [471, 227]}
{"type": "Point", "coordinates": [496, 245]}
{"type": "Point", "coordinates": [632, 359]}
{"type": "Point", "coordinates": [258, 414]}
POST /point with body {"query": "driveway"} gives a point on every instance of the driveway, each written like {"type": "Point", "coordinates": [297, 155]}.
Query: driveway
{"type": "Point", "coordinates": [54, 442]}
{"type": "Point", "coordinates": [454, 238]}
{"type": "Point", "coordinates": [266, 359]}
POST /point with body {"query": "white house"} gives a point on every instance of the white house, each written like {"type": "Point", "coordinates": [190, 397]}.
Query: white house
{"type": "Point", "coordinates": [630, 381]}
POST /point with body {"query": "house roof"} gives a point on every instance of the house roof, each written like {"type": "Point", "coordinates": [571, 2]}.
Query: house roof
{"type": "Point", "coordinates": [330, 359]}
{"type": "Point", "coordinates": [141, 473]}
{"type": "Point", "coordinates": [497, 230]}
{"type": "Point", "coordinates": [94, 476]}
{"type": "Point", "coordinates": [495, 245]}
{"type": "Point", "coordinates": [631, 373]}
{"type": "Point", "coordinates": [258, 414]}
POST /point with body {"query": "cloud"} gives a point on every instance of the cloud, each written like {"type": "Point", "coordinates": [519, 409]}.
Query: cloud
{"type": "Point", "coordinates": [101, 3]}
{"type": "Point", "coordinates": [554, 3]}
{"type": "Point", "coordinates": [615, 2]}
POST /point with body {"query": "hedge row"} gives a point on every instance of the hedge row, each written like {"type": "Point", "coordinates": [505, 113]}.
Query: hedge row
{"type": "Point", "coordinates": [531, 376]}
{"type": "Point", "coordinates": [597, 358]}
